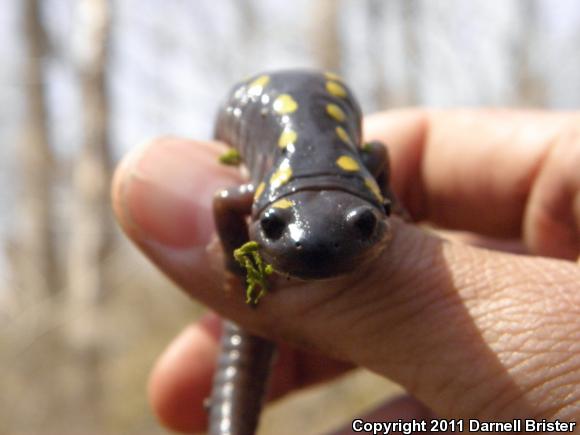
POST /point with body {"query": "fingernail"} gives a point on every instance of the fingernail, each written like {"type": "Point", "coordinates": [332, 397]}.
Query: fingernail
{"type": "Point", "coordinates": [168, 190]}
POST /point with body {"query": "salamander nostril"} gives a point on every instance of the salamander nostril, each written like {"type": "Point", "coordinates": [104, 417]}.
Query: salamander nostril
{"type": "Point", "coordinates": [365, 222]}
{"type": "Point", "coordinates": [273, 226]}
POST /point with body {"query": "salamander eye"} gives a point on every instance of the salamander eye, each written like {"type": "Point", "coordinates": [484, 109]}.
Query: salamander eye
{"type": "Point", "coordinates": [273, 226]}
{"type": "Point", "coordinates": [363, 221]}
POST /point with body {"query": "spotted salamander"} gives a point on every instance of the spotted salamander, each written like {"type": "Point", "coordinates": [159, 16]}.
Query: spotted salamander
{"type": "Point", "coordinates": [318, 203]}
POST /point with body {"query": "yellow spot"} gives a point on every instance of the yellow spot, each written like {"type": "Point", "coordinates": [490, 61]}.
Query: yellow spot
{"type": "Point", "coordinates": [332, 76]}
{"type": "Point", "coordinates": [281, 176]}
{"type": "Point", "coordinates": [335, 89]}
{"type": "Point", "coordinates": [283, 203]}
{"type": "Point", "coordinates": [343, 135]}
{"type": "Point", "coordinates": [372, 185]}
{"type": "Point", "coordinates": [284, 104]}
{"type": "Point", "coordinates": [335, 112]}
{"type": "Point", "coordinates": [259, 190]}
{"type": "Point", "coordinates": [347, 163]}
{"type": "Point", "coordinates": [287, 137]}
{"type": "Point", "coordinates": [257, 86]}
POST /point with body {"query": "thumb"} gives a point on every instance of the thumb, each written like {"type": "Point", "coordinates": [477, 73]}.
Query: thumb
{"type": "Point", "coordinates": [469, 332]}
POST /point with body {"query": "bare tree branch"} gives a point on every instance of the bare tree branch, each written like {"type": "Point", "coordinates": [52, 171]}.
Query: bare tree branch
{"type": "Point", "coordinates": [33, 248]}
{"type": "Point", "coordinates": [90, 211]}
{"type": "Point", "coordinates": [531, 89]}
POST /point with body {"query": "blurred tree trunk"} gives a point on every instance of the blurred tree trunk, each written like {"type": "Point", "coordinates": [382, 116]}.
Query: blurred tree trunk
{"type": "Point", "coordinates": [90, 211]}
{"type": "Point", "coordinates": [376, 15]}
{"type": "Point", "coordinates": [411, 11]}
{"type": "Point", "coordinates": [324, 30]}
{"type": "Point", "coordinates": [531, 89]}
{"type": "Point", "coordinates": [33, 250]}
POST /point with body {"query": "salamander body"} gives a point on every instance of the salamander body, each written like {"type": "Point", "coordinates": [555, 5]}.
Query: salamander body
{"type": "Point", "coordinates": [317, 210]}
{"type": "Point", "coordinates": [318, 204]}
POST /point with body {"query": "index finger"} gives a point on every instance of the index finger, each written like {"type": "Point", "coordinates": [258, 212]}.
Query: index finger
{"type": "Point", "coordinates": [471, 169]}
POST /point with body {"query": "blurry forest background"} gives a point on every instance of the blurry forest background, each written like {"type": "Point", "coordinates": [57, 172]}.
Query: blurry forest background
{"type": "Point", "coordinates": [82, 314]}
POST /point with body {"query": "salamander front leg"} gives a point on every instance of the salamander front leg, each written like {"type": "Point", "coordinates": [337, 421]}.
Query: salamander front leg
{"type": "Point", "coordinates": [375, 156]}
{"type": "Point", "coordinates": [231, 207]}
{"type": "Point", "coordinates": [242, 373]}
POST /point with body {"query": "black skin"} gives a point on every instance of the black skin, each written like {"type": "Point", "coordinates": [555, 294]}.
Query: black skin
{"type": "Point", "coordinates": [331, 222]}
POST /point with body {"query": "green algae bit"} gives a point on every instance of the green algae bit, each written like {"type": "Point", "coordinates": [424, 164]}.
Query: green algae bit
{"type": "Point", "coordinates": [231, 157]}
{"type": "Point", "coordinates": [256, 271]}
{"type": "Point", "coordinates": [367, 146]}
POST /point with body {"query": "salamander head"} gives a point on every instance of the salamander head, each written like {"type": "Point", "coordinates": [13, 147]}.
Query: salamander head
{"type": "Point", "coordinates": [320, 234]}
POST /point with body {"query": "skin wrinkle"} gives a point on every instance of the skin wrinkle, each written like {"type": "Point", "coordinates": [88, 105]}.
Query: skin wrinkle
{"type": "Point", "coordinates": [526, 185]}
{"type": "Point", "coordinates": [356, 341]}
{"type": "Point", "coordinates": [562, 413]}
{"type": "Point", "coordinates": [562, 337]}
{"type": "Point", "coordinates": [501, 389]}
{"type": "Point", "coordinates": [532, 350]}
{"type": "Point", "coordinates": [414, 193]}
{"type": "Point", "coordinates": [371, 307]}
{"type": "Point", "coordinates": [535, 359]}
{"type": "Point", "coordinates": [566, 374]}
{"type": "Point", "coordinates": [501, 316]}
{"type": "Point", "coordinates": [271, 323]}
{"type": "Point", "coordinates": [539, 373]}
{"type": "Point", "coordinates": [294, 292]}
{"type": "Point", "coordinates": [448, 340]}
{"type": "Point", "coordinates": [524, 362]}
{"type": "Point", "coordinates": [496, 385]}
{"type": "Point", "coordinates": [544, 388]}
{"type": "Point", "coordinates": [563, 289]}
{"type": "Point", "coordinates": [524, 343]}
{"type": "Point", "coordinates": [506, 290]}
{"type": "Point", "coordinates": [322, 308]}
{"type": "Point", "coordinates": [476, 278]}
{"type": "Point", "coordinates": [534, 362]}
{"type": "Point", "coordinates": [517, 394]}
{"type": "Point", "coordinates": [543, 208]}
{"type": "Point", "coordinates": [472, 274]}
{"type": "Point", "coordinates": [397, 310]}
{"type": "Point", "coordinates": [440, 384]}
{"type": "Point", "coordinates": [513, 328]}
{"type": "Point", "coordinates": [432, 367]}
{"type": "Point", "coordinates": [569, 400]}
{"type": "Point", "coordinates": [495, 405]}
{"type": "Point", "coordinates": [346, 285]}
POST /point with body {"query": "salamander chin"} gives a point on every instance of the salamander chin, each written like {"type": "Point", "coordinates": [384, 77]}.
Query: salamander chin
{"type": "Point", "coordinates": [320, 234]}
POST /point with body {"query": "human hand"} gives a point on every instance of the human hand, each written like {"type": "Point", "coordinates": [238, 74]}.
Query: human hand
{"type": "Point", "coordinates": [470, 332]}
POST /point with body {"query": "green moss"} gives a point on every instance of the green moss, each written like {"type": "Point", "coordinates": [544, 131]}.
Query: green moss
{"type": "Point", "coordinates": [256, 271]}
{"type": "Point", "coordinates": [231, 157]}
{"type": "Point", "coordinates": [367, 146]}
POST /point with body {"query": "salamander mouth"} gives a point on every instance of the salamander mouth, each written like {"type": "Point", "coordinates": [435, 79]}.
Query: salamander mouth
{"type": "Point", "coordinates": [314, 269]}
